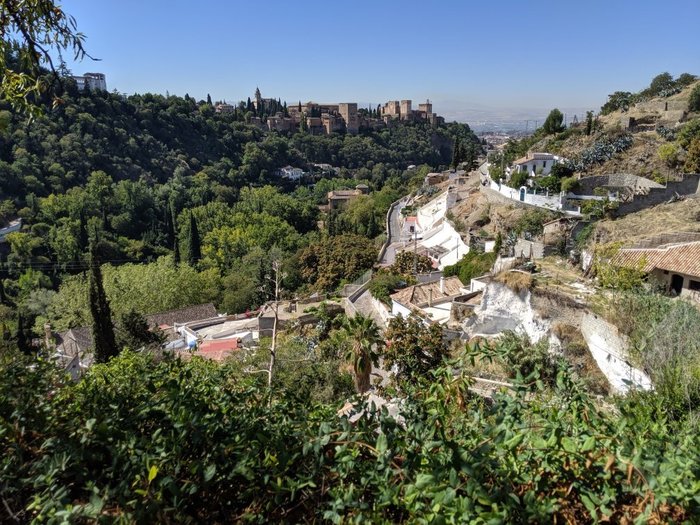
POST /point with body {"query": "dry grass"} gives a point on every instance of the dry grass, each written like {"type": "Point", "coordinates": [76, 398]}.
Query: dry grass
{"type": "Point", "coordinates": [575, 351]}
{"type": "Point", "coordinates": [516, 280]}
{"type": "Point", "coordinates": [682, 216]}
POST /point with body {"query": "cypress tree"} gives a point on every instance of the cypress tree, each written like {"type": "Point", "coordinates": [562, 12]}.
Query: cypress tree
{"type": "Point", "coordinates": [103, 341]}
{"type": "Point", "coordinates": [209, 99]}
{"type": "Point", "coordinates": [175, 238]}
{"type": "Point", "coordinates": [589, 122]}
{"type": "Point", "coordinates": [372, 227]}
{"type": "Point", "coordinates": [83, 239]}
{"type": "Point", "coordinates": [194, 249]}
{"type": "Point", "coordinates": [23, 343]}
{"type": "Point", "coordinates": [456, 150]}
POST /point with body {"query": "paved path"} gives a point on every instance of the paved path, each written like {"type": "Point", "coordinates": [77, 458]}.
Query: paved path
{"type": "Point", "coordinates": [394, 234]}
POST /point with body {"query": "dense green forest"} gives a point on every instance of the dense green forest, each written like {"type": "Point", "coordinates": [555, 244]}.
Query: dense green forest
{"type": "Point", "coordinates": [149, 176]}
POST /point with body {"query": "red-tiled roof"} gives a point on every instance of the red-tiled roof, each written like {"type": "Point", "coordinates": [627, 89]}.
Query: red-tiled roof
{"type": "Point", "coordinates": [421, 293]}
{"type": "Point", "coordinates": [679, 258]}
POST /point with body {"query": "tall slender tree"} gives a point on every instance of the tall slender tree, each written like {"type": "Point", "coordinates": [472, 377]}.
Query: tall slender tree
{"type": "Point", "coordinates": [456, 152]}
{"type": "Point", "coordinates": [83, 239]}
{"type": "Point", "coordinates": [194, 248]}
{"type": "Point", "coordinates": [103, 340]}
{"type": "Point", "coordinates": [175, 237]}
{"type": "Point", "coordinates": [23, 343]}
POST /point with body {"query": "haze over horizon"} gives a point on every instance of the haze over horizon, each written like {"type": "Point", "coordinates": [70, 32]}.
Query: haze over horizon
{"type": "Point", "coordinates": [511, 64]}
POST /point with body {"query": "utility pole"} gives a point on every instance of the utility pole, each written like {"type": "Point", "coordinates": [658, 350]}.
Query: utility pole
{"type": "Point", "coordinates": [415, 252]}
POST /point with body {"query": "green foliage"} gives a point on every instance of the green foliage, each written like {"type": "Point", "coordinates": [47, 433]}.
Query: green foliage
{"type": "Point", "coordinates": [554, 123]}
{"type": "Point", "coordinates": [694, 99]}
{"type": "Point", "coordinates": [473, 264]}
{"type": "Point", "coordinates": [692, 159]}
{"type": "Point", "coordinates": [385, 283]}
{"type": "Point", "coordinates": [531, 222]}
{"type": "Point", "coordinates": [407, 263]}
{"type": "Point", "coordinates": [663, 340]}
{"type": "Point", "coordinates": [365, 342]}
{"type": "Point", "coordinates": [413, 350]}
{"type": "Point", "coordinates": [569, 184]}
{"type": "Point", "coordinates": [518, 179]}
{"type": "Point", "coordinates": [146, 288]}
{"type": "Point", "coordinates": [326, 263]}
{"type": "Point", "coordinates": [32, 31]}
{"type": "Point", "coordinates": [611, 275]}
{"type": "Point", "coordinates": [104, 343]}
{"type": "Point", "coordinates": [668, 153]}
{"type": "Point", "coordinates": [688, 132]}
{"type": "Point", "coordinates": [147, 440]}
{"type": "Point", "coordinates": [134, 333]}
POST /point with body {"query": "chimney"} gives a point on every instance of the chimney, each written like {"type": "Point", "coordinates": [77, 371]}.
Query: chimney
{"type": "Point", "coordinates": [442, 285]}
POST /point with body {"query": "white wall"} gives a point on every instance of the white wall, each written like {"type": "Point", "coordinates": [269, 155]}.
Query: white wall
{"type": "Point", "coordinates": [399, 309]}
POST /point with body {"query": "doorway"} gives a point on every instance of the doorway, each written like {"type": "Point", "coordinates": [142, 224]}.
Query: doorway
{"type": "Point", "coordinates": [677, 283]}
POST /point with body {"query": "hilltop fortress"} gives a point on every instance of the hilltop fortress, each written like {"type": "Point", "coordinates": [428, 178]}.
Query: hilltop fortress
{"type": "Point", "coordinates": [319, 119]}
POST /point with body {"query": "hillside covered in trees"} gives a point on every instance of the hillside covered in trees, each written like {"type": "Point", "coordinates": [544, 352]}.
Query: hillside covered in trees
{"type": "Point", "coordinates": [149, 176]}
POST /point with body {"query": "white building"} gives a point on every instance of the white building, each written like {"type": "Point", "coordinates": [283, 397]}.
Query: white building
{"type": "Point", "coordinates": [291, 173]}
{"type": "Point", "coordinates": [432, 301]}
{"type": "Point", "coordinates": [535, 164]}
{"type": "Point", "coordinates": [92, 81]}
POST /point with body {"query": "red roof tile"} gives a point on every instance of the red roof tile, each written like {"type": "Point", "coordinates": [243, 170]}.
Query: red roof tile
{"type": "Point", "coordinates": [679, 258]}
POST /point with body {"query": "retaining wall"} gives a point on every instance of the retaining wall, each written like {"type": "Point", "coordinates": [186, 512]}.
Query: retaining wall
{"type": "Point", "coordinates": [690, 186]}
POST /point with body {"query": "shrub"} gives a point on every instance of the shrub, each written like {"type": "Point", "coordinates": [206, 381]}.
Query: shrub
{"type": "Point", "coordinates": [694, 99]}
{"type": "Point", "coordinates": [473, 264]}
{"type": "Point", "coordinates": [383, 284]}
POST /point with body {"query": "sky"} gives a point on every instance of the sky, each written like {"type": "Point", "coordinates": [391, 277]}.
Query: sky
{"type": "Point", "coordinates": [509, 60]}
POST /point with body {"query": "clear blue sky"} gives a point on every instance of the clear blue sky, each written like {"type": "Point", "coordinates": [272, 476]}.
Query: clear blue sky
{"type": "Point", "coordinates": [467, 57]}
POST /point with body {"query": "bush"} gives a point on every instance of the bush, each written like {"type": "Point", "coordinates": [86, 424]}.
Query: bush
{"type": "Point", "coordinates": [472, 265]}
{"type": "Point", "coordinates": [694, 100]}
{"type": "Point", "coordinates": [171, 441]}
{"type": "Point", "coordinates": [383, 284]}
{"type": "Point", "coordinates": [518, 179]}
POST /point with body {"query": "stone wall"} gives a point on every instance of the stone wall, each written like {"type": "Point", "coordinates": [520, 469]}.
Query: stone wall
{"type": "Point", "coordinates": [587, 185]}
{"type": "Point", "coordinates": [529, 249]}
{"type": "Point", "coordinates": [690, 186]}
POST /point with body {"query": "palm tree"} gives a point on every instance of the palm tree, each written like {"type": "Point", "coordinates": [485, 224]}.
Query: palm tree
{"type": "Point", "coordinates": [364, 336]}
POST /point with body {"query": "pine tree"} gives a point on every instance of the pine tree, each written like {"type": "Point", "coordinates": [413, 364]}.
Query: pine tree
{"type": "Point", "coordinates": [103, 341]}
{"type": "Point", "coordinates": [194, 250]}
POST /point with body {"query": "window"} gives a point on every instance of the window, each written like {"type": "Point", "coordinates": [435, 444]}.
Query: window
{"type": "Point", "coordinates": [694, 285]}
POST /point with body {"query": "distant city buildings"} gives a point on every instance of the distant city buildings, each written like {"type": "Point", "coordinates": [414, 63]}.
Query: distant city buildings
{"type": "Point", "coordinates": [91, 81]}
